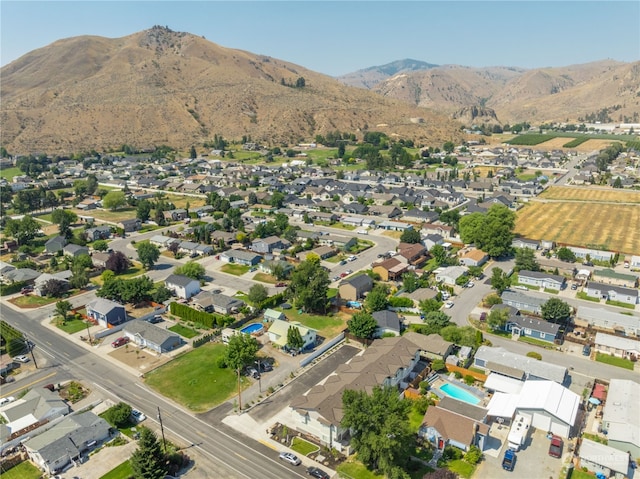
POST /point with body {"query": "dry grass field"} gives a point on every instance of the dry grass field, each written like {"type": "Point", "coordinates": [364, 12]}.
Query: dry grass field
{"type": "Point", "coordinates": [590, 194]}
{"type": "Point", "coordinates": [605, 226]}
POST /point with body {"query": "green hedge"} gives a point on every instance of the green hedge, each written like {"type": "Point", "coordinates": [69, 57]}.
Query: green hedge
{"type": "Point", "coordinates": [6, 289]}
{"type": "Point", "coordinates": [398, 302]}
{"type": "Point", "coordinates": [272, 301]}
{"type": "Point", "coordinates": [207, 320]}
{"type": "Point", "coordinates": [203, 340]}
{"type": "Point", "coordinates": [14, 339]}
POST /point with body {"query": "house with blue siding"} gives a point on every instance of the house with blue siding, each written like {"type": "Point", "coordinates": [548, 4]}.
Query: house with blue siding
{"type": "Point", "coordinates": [106, 312]}
{"type": "Point", "coordinates": [530, 327]}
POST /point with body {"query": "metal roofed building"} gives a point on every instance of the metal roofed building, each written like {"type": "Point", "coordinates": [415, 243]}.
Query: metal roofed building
{"type": "Point", "coordinates": [485, 356]}
{"type": "Point", "coordinates": [620, 417]}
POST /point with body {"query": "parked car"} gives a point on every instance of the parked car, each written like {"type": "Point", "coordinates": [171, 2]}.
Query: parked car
{"type": "Point", "coordinates": [470, 284]}
{"type": "Point", "coordinates": [483, 316]}
{"type": "Point", "coordinates": [251, 270]}
{"type": "Point", "coordinates": [448, 304]}
{"type": "Point", "coordinates": [509, 460]}
{"type": "Point", "coordinates": [120, 342]}
{"type": "Point", "coordinates": [586, 350]}
{"type": "Point", "coordinates": [290, 458]}
{"type": "Point", "coordinates": [574, 286]}
{"type": "Point", "coordinates": [343, 262]}
{"type": "Point", "coordinates": [154, 319]}
{"type": "Point", "coordinates": [7, 400]}
{"type": "Point", "coordinates": [138, 416]}
{"type": "Point", "coordinates": [336, 278]}
{"type": "Point", "coordinates": [317, 473]}
{"type": "Point", "coordinates": [348, 271]}
{"type": "Point", "coordinates": [587, 263]}
{"type": "Point", "coordinates": [253, 372]}
{"type": "Point", "coordinates": [281, 285]}
{"type": "Point", "coordinates": [555, 448]}
{"type": "Point", "coordinates": [21, 359]}
{"type": "Point", "coordinates": [353, 257]}
{"type": "Point", "coordinates": [26, 290]}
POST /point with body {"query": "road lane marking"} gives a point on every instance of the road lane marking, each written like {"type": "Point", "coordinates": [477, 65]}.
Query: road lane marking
{"type": "Point", "coordinates": [240, 456]}
{"type": "Point", "coordinates": [30, 384]}
{"type": "Point", "coordinates": [269, 445]}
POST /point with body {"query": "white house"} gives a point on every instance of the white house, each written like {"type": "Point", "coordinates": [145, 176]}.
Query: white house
{"type": "Point", "coordinates": [602, 458]}
{"type": "Point", "coordinates": [278, 333]}
{"type": "Point", "coordinates": [617, 345]}
{"type": "Point", "coordinates": [182, 286]}
{"type": "Point", "coordinates": [620, 419]}
{"type": "Point", "coordinates": [449, 274]}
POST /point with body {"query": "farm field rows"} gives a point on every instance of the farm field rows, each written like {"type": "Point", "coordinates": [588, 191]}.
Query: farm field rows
{"type": "Point", "coordinates": [605, 226]}
{"type": "Point", "coordinates": [590, 194]}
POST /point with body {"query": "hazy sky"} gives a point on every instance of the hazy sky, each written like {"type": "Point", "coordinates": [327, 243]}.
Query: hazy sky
{"type": "Point", "coordinates": [338, 37]}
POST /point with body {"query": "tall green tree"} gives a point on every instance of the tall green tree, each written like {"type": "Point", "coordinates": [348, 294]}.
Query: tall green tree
{"type": "Point", "coordinates": [499, 280]}
{"type": "Point", "coordinates": [435, 321]}
{"type": "Point", "coordinates": [241, 351]}
{"type": "Point", "coordinates": [491, 232]}
{"type": "Point", "coordinates": [309, 285]}
{"type": "Point", "coordinates": [565, 254]}
{"type": "Point", "coordinates": [362, 325]}
{"type": "Point", "coordinates": [526, 260]}
{"type": "Point", "coordinates": [377, 299]}
{"type": "Point", "coordinates": [114, 200]}
{"type": "Point", "coordinates": [439, 253]}
{"type": "Point", "coordinates": [64, 219]}
{"type": "Point", "coordinates": [257, 294]}
{"type": "Point", "coordinates": [143, 210]}
{"type": "Point", "coordinates": [294, 339]}
{"type": "Point", "coordinates": [63, 308]}
{"type": "Point", "coordinates": [498, 318]}
{"type": "Point", "coordinates": [380, 431]}
{"type": "Point", "coordinates": [410, 236]}
{"type": "Point", "coordinates": [556, 311]}
{"type": "Point", "coordinates": [148, 254]}
{"type": "Point", "coordinates": [192, 269]}
{"type": "Point", "coordinates": [148, 461]}
{"type": "Point", "coordinates": [23, 230]}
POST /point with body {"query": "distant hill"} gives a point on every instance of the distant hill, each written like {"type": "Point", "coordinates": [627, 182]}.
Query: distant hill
{"type": "Point", "coordinates": [163, 87]}
{"type": "Point", "coordinates": [513, 94]}
{"type": "Point", "coordinates": [370, 77]}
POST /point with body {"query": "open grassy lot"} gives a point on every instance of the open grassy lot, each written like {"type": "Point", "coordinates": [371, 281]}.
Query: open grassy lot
{"type": "Point", "coordinates": [195, 380]}
{"type": "Point", "coordinates": [136, 269]}
{"type": "Point", "coordinates": [604, 226]}
{"type": "Point", "coordinates": [109, 216]}
{"type": "Point", "coordinates": [181, 201]}
{"type": "Point", "coordinates": [9, 173]}
{"type": "Point", "coordinates": [235, 269]}
{"type": "Point", "coordinates": [123, 471]}
{"type": "Point", "coordinates": [576, 193]}
{"type": "Point", "coordinates": [327, 326]}
{"type": "Point", "coordinates": [24, 470]}
{"type": "Point", "coordinates": [357, 470]}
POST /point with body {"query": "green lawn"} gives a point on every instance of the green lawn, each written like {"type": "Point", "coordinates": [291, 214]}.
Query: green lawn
{"type": "Point", "coordinates": [537, 342]}
{"type": "Point", "coordinates": [9, 173]}
{"type": "Point", "coordinates": [32, 301]}
{"type": "Point", "coordinates": [71, 326]}
{"type": "Point", "coordinates": [195, 380]}
{"type": "Point", "coordinates": [303, 447]}
{"type": "Point", "coordinates": [327, 326]}
{"type": "Point", "coordinates": [620, 304]}
{"type": "Point", "coordinates": [135, 270]}
{"type": "Point", "coordinates": [586, 297]}
{"type": "Point", "coordinates": [357, 470]}
{"type": "Point", "coordinates": [415, 419]}
{"type": "Point", "coordinates": [123, 471]}
{"type": "Point", "coordinates": [235, 269]}
{"type": "Point", "coordinates": [24, 470]}
{"type": "Point", "coordinates": [578, 474]}
{"type": "Point", "coordinates": [614, 361]}
{"type": "Point", "coordinates": [184, 331]}
{"type": "Point", "coordinates": [462, 468]}
{"type": "Point", "coordinates": [265, 278]}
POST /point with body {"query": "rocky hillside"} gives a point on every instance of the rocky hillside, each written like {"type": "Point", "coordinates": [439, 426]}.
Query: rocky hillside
{"type": "Point", "coordinates": [540, 95]}
{"type": "Point", "coordinates": [370, 77]}
{"type": "Point", "coordinates": [163, 87]}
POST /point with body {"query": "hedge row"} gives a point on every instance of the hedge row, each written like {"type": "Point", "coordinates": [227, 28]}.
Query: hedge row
{"type": "Point", "coordinates": [398, 302]}
{"type": "Point", "coordinates": [6, 289]}
{"type": "Point", "coordinates": [207, 320]}
{"type": "Point", "coordinates": [14, 339]}
{"type": "Point", "coordinates": [203, 340]}
{"type": "Point", "coordinates": [272, 301]}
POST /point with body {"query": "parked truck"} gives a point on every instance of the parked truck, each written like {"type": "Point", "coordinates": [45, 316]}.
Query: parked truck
{"type": "Point", "coordinates": [509, 460]}
{"type": "Point", "coordinates": [519, 432]}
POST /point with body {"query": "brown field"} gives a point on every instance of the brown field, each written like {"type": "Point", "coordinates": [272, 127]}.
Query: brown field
{"type": "Point", "coordinates": [591, 145]}
{"type": "Point", "coordinates": [553, 144]}
{"type": "Point", "coordinates": [605, 226]}
{"type": "Point", "coordinates": [483, 171]}
{"type": "Point", "coordinates": [578, 193]}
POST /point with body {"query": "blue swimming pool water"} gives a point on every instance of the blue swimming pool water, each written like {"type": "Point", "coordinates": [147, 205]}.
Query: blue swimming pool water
{"type": "Point", "coordinates": [251, 328]}
{"type": "Point", "coordinates": [459, 393]}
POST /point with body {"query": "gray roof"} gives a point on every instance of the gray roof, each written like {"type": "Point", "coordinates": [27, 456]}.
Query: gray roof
{"type": "Point", "coordinates": [535, 324]}
{"type": "Point", "coordinates": [521, 298]}
{"type": "Point", "coordinates": [541, 275]}
{"type": "Point", "coordinates": [38, 402]}
{"type": "Point", "coordinates": [463, 408]}
{"type": "Point", "coordinates": [22, 274]}
{"type": "Point", "coordinates": [180, 280]}
{"type": "Point", "coordinates": [606, 318]}
{"type": "Point", "coordinates": [529, 365]}
{"type": "Point", "coordinates": [56, 240]}
{"type": "Point", "coordinates": [610, 287]}
{"type": "Point", "coordinates": [103, 306]}
{"type": "Point", "coordinates": [359, 281]}
{"type": "Point", "coordinates": [605, 456]}
{"type": "Point", "coordinates": [207, 298]}
{"type": "Point", "coordinates": [151, 333]}
{"type": "Point", "coordinates": [68, 436]}
{"type": "Point", "coordinates": [387, 319]}
{"type": "Point", "coordinates": [74, 248]}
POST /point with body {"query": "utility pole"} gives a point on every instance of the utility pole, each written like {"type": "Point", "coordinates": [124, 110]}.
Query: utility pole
{"type": "Point", "coordinates": [164, 442]}
{"type": "Point", "coordinates": [259, 375]}
{"type": "Point", "coordinates": [30, 348]}
{"type": "Point", "coordinates": [88, 332]}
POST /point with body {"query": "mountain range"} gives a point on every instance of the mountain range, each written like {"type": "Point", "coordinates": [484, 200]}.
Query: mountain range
{"type": "Point", "coordinates": [163, 87]}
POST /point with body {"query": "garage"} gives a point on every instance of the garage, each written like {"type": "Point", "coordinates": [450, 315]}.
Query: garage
{"type": "Point", "coordinates": [550, 406]}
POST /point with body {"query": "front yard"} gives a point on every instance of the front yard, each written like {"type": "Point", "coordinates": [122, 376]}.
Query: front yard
{"type": "Point", "coordinates": [614, 361]}
{"type": "Point", "coordinates": [184, 331]}
{"type": "Point", "coordinates": [24, 470]}
{"type": "Point", "coordinates": [327, 326]}
{"type": "Point", "coordinates": [71, 325]}
{"type": "Point", "coordinates": [195, 380]}
{"type": "Point", "coordinates": [32, 301]}
{"type": "Point", "coordinates": [234, 269]}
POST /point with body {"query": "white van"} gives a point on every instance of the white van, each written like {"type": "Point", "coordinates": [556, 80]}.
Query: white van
{"type": "Point", "coordinates": [362, 232]}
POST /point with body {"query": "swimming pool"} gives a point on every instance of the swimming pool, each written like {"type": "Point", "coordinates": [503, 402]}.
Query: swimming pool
{"type": "Point", "coordinates": [459, 393]}
{"type": "Point", "coordinates": [252, 328]}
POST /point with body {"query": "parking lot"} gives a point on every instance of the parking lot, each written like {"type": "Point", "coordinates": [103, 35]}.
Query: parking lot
{"type": "Point", "coordinates": [533, 461]}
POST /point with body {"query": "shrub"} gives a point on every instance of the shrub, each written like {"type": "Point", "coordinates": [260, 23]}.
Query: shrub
{"type": "Point", "coordinates": [469, 379]}
{"type": "Point", "coordinates": [534, 355]}
{"type": "Point", "coordinates": [118, 415]}
{"type": "Point", "coordinates": [437, 365]}
{"type": "Point", "coordinates": [397, 302]}
{"type": "Point", "coordinates": [473, 455]}
{"type": "Point", "coordinates": [458, 374]}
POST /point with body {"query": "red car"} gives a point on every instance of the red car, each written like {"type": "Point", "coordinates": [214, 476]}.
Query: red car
{"type": "Point", "coordinates": [281, 285]}
{"type": "Point", "coordinates": [120, 342]}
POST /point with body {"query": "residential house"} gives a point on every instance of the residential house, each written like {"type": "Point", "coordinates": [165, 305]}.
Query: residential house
{"type": "Point", "coordinates": [162, 241]}
{"type": "Point", "coordinates": [620, 418]}
{"type": "Point", "coordinates": [74, 250]}
{"type": "Point", "coordinates": [635, 261]}
{"type": "Point", "coordinates": [133, 224]}
{"type": "Point", "coordinates": [37, 406]}
{"type": "Point", "coordinates": [449, 274]}
{"type": "Point", "coordinates": [271, 315]}
{"type": "Point", "coordinates": [473, 257]}
{"type": "Point", "coordinates": [355, 287]}
{"type": "Point", "coordinates": [388, 323]}
{"type": "Point", "coordinates": [593, 254]}
{"type": "Point", "coordinates": [147, 335]}
{"type": "Point", "coordinates": [431, 240]}
{"type": "Point", "coordinates": [182, 286]}
{"type": "Point", "coordinates": [98, 233]}
{"type": "Point", "coordinates": [388, 362]}
{"type": "Point", "coordinates": [5, 268]}
{"type": "Point", "coordinates": [609, 321]}
{"type": "Point", "coordinates": [338, 241]}
{"type": "Point", "coordinates": [394, 226]}
{"type": "Point", "coordinates": [390, 269]}
{"type": "Point", "coordinates": [610, 276]}
{"type": "Point", "coordinates": [414, 254]}
{"type": "Point", "coordinates": [420, 294]}
{"type": "Point", "coordinates": [323, 252]}
{"type": "Point", "coordinates": [460, 427]}
{"type": "Point", "coordinates": [530, 327]}
{"type": "Point", "coordinates": [519, 366]}
{"type": "Point", "coordinates": [617, 346]}
{"type": "Point", "coordinates": [525, 243]}
{"type": "Point", "coordinates": [612, 293]}
{"type": "Point", "coordinates": [269, 244]}
{"type": "Point", "coordinates": [541, 279]}
{"type": "Point", "coordinates": [223, 237]}
{"type": "Point", "coordinates": [22, 275]}
{"type": "Point", "coordinates": [106, 313]}
{"type": "Point", "coordinates": [40, 282]}
{"type": "Point", "coordinates": [523, 302]}
{"type": "Point", "coordinates": [88, 204]}
{"type": "Point", "coordinates": [55, 244]}
{"type": "Point", "coordinates": [433, 346]}
{"type": "Point", "coordinates": [240, 257]}
{"type": "Point", "coordinates": [100, 259]}
{"type": "Point", "coordinates": [603, 459]}
{"type": "Point", "coordinates": [279, 329]}
{"type": "Point", "coordinates": [217, 303]}
{"type": "Point", "coordinates": [68, 441]}
{"type": "Point", "coordinates": [387, 211]}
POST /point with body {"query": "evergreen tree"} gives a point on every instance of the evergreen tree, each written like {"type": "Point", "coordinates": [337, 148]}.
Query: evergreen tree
{"type": "Point", "coordinates": [148, 461]}
{"type": "Point", "coordinates": [294, 339]}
